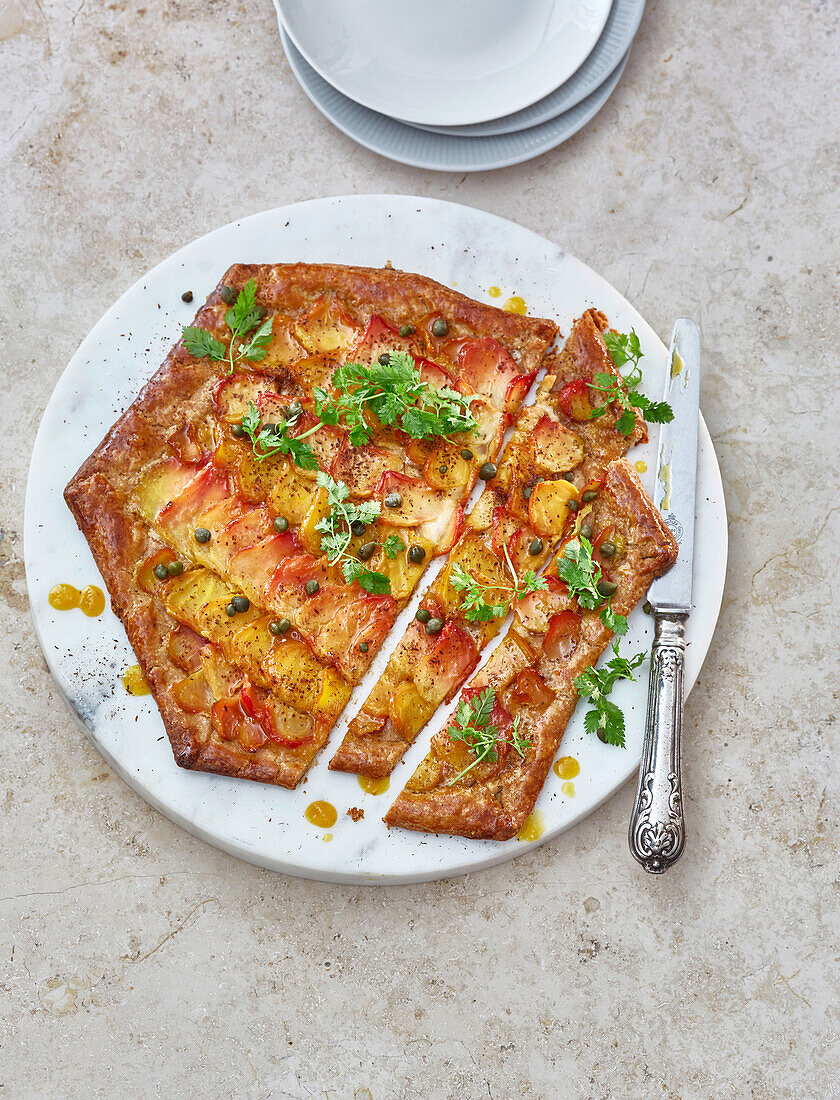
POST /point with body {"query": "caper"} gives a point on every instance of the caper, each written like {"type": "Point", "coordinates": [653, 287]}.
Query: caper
{"type": "Point", "coordinates": [586, 530]}
{"type": "Point", "coordinates": [175, 568]}
{"type": "Point", "coordinates": [646, 607]}
{"type": "Point", "coordinates": [187, 296]}
{"type": "Point", "coordinates": [230, 610]}
{"type": "Point", "coordinates": [406, 330]}
{"type": "Point", "coordinates": [284, 626]}
{"type": "Point", "coordinates": [527, 492]}
{"type": "Point", "coordinates": [568, 477]}
{"type": "Point", "coordinates": [442, 469]}
{"type": "Point", "coordinates": [281, 524]}
{"type": "Point", "coordinates": [602, 736]}
{"type": "Point", "coordinates": [423, 615]}
{"type": "Point", "coordinates": [434, 626]}
{"type": "Point", "coordinates": [295, 409]}
{"type": "Point", "coordinates": [536, 547]}
{"type": "Point", "coordinates": [228, 294]}
{"type": "Point", "coordinates": [416, 554]}
{"type": "Point", "coordinates": [237, 431]}
{"type": "Point", "coordinates": [286, 411]}
{"type": "Point", "coordinates": [260, 311]}
{"type": "Point", "coordinates": [607, 589]}
{"type": "Point", "coordinates": [572, 505]}
{"type": "Point", "coordinates": [393, 500]}
{"type": "Point", "coordinates": [202, 534]}
{"type": "Point", "coordinates": [588, 495]}
{"type": "Point", "coordinates": [466, 454]}
{"type": "Point", "coordinates": [312, 587]}
{"type": "Point", "coordinates": [274, 627]}
{"type": "Point", "coordinates": [367, 551]}
{"type": "Point", "coordinates": [607, 549]}
{"type": "Point", "coordinates": [364, 647]}
{"type": "Point", "coordinates": [487, 471]}
{"type": "Point", "coordinates": [270, 428]}
{"type": "Point", "coordinates": [161, 572]}
{"type": "Point", "coordinates": [385, 358]}
{"type": "Point", "coordinates": [358, 528]}
{"type": "Point", "coordinates": [439, 327]}
{"type": "Point", "coordinates": [241, 603]}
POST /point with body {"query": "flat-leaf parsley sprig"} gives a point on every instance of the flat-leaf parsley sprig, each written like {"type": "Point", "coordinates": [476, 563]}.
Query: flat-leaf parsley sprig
{"type": "Point", "coordinates": [473, 726]}
{"type": "Point", "coordinates": [395, 393]}
{"type": "Point", "coordinates": [582, 576]}
{"type": "Point", "coordinates": [474, 603]}
{"type": "Point", "coordinates": [245, 319]}
{"type": "Point", "coordinates": [268, 440]}
{"type": "Point", "coordinates": [625, 348]}
{"type": "Point", "coordinates": [605, 718]}
{"type": "Point", "coordinates": [337, 530]}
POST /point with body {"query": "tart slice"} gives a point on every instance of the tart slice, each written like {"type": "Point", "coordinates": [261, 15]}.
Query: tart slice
{"type": "Point", "coordinates": [266, 506]}
{"type": "Point", "coordinates": [488, 792]}
{"type": "Point", "coordinates": [551, 467]}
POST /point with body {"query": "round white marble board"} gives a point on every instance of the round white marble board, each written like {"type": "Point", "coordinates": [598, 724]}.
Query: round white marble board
{"type": "Point", "coordinates": [465, 248]}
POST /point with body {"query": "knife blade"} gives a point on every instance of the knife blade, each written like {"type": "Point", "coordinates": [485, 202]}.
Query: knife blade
{"type": "Point", "coordinates": [676, 466]}
{"type": "Point", "coordinates": [657, 825]}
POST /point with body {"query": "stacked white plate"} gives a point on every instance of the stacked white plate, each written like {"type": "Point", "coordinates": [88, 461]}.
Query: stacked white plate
{"type": "Point", "coordinates": [458, 85]}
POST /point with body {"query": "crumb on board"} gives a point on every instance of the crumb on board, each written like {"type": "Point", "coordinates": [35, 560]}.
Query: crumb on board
{"type": "Point", "coordinates": [355, 813]}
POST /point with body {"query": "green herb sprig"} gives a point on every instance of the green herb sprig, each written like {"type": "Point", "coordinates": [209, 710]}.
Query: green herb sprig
{"type": "Point", "coordinates": [605, 717]}
{"type": "Point", "coordinates": [244, 319]}
{"type": "Point", "coordinates": [337, 530]}
{"type": "Point", "coordinates": [396, 395]}
{"type": "Point", "coordinates": [268, 440]}
{"type": "Point", "coordinates": [473, 727]}
{"type": "Point", "coordinates": [474, 603]}
{"type": "Point", "coordinates": [625, 348]}
{"type": "Point", "coordinates": [582, 576]}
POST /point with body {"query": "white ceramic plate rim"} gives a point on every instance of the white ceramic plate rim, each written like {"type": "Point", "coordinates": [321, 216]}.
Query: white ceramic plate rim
{"type": "Point", "coordinates": [616, 39]}
{"type": "Point", "coordinates": [376, 227]}
{"type": "Point", "coordinates": [552, 64]}
{"type": "Point", "coordinates": [421, 148]}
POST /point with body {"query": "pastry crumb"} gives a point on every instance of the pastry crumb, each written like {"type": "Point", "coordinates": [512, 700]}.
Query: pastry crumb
{"type": "Point", "coordinates": [355, 813]}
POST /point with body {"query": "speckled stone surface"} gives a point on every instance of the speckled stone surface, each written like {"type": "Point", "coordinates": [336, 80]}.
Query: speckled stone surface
{"type": "Point", "coordinates": [134, 959]}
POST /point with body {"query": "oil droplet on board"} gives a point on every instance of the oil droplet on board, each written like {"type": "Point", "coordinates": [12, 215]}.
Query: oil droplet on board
{"type": "Point", "coordinates": [327, 837]}
{"type": "Point", "coordinates": [64, 596]}
{"type": "Point", "coordinates": [568, 789]}
{"type": "Point", "coordinates": [533, 828]}
{"type": "Point", "coordinates": [494, 291]}
{"type": "Point", "coordinates": [676, 365]}
{"type": "Point", "coordinates": [92, 601]}
{"type": "Point", "coordinates": [566, 767]}
{"type": "Point", "coordinates": [322, 814]}
{"type": "Point", "coordinates": [665, 478]}
{"type": "Point", "coordinates": [641, 466]}
{"type": "Point", "coordinates": [134, 681]}
{"type": "Point", "coordinates": [515, 305]}
{"type": "Point", "coordinates": [374, 786]}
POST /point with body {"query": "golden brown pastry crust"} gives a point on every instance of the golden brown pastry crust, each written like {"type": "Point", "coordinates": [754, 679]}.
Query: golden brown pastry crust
{"type": "Point", "coordinates": [100, 495]}
{"type": "Point", "coordinates": [497, 810]}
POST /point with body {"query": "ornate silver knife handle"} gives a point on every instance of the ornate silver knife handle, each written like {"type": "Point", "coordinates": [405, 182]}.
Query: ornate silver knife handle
{"type": "Point", "coordinates": [657, 827]}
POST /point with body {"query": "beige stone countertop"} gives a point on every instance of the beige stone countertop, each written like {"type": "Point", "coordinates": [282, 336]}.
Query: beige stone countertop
{"type": "Point", "coordinates": [137, 961]}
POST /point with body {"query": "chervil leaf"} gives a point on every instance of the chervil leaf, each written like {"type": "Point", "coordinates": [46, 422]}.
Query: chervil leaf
{"type": "Point", "coordinates": [613, 621]}
{"type": "Point", "coordinates": [472, 725]}
{"type": "Point", "coordinates": [199, 342]}
{"type": "Point", "coordinates": [392, 546]}
{"type": "Point", "coordinates": [375, 583]}
{"type": "Point", "coordinates": [255, 349]}
{"type": "Point", "coordinates": [621, 390]}
{"type": "Point", "coordinates": [606, 718]}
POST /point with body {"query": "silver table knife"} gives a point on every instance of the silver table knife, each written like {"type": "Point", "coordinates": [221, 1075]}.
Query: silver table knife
{"type": "Point", "coordinates": [657, 827]}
